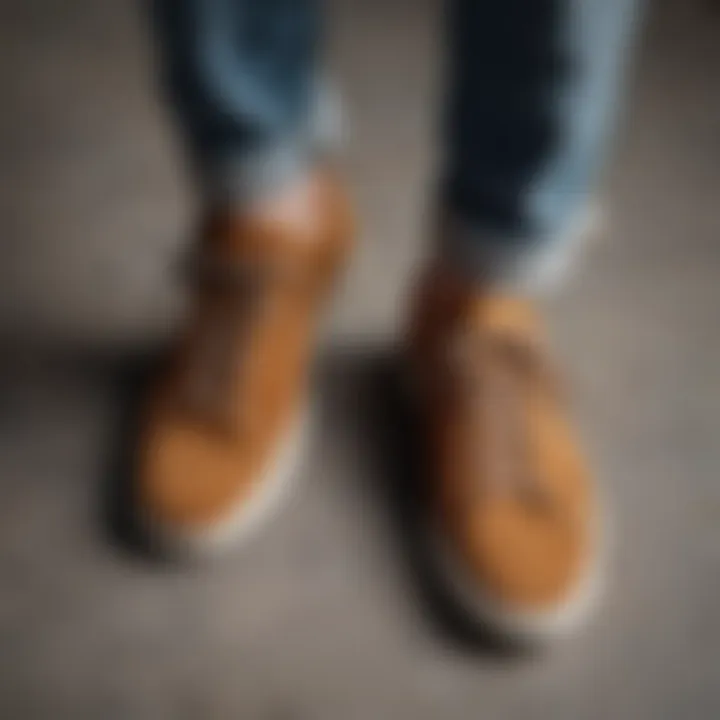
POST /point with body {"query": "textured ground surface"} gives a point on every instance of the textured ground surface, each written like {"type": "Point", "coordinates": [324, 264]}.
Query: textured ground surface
{"type": "Point", "coordinates": [322, 618]}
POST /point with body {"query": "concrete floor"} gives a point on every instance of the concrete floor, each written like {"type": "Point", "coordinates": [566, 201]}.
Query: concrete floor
{"type": "Point", "coordinates": [323, 616]}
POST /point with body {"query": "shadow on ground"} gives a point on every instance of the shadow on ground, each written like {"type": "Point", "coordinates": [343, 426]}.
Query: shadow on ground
{"type": "Point", "coordinates": [120, 522]}
{"type": "Point", "coordinates": [363, 389]}
{"type": "Point", "coordinates": [361, 398]}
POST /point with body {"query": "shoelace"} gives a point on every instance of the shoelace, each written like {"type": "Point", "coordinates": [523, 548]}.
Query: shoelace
{"type": "Point", "coordinates": [494, 370]}
{"type": "Point", "coordinates": [234, 298]}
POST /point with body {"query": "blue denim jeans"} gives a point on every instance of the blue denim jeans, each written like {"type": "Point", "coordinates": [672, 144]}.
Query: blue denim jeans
{"type": "Point", "coordinates": [531, 89]}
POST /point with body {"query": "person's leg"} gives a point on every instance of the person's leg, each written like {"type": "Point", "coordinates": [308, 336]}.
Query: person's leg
{"type": "Point", "coordinates": [515, 519]}
{"type": "Point", "coordinates": [224, 422]}
{"type": "Point", "coordinates": [532, 94]}
{"type": "Point", "coordinates": [243, 80]}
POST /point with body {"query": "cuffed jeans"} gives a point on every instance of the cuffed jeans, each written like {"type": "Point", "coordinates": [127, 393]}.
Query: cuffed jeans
{"type": "Point", "coordinates": [530, 94]}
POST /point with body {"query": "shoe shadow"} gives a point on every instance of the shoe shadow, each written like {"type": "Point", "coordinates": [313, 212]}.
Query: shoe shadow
{"type": "Point", "coordinates": [119, 519]}
{"type": "Point", "coordinates": [374, 408]}
{"type": "Point", "coordinates": [360, 389]}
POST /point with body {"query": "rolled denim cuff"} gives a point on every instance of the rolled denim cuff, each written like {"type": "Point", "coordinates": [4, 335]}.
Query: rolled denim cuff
{"type": "Point", "coordinates": [242, 176]}
{"type": "Point", "coordinates": [243, 179]}
{"type": "Point", "coordinates": [523, 264]}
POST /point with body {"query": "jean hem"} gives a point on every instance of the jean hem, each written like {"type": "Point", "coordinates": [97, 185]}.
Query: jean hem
{"type": "Point", "coordinates": [242, 176]}
{"type": "Point", "coordinates": [529, 265]}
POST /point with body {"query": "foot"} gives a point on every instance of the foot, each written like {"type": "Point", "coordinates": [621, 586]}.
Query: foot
{"type": "Point", "coordinates": [513, 517]}
{"type": "Point", "coordinates": [224, 424]}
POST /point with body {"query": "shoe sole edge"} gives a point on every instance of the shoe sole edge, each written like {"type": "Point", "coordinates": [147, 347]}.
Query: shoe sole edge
{"type": "Point", "coordinates": [241, 522]}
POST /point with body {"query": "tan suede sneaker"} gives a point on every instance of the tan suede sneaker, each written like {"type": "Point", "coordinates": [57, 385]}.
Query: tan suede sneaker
{"type": "Point", "coordinates": [224, 425]}
{"type": "Point", "coordinates": [514, 520]}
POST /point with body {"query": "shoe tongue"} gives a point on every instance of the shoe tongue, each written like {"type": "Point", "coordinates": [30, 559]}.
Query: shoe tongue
{"type": "Point", "coordinates": [503, 314]}
{"type": "Point", "coordinates": [450, 303]}
{"type": "Point", "coordinates": [273, 228]}
{"type": "Point", "coordinates": [251, 240]}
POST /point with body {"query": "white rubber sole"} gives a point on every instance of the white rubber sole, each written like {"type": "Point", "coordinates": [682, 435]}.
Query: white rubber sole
{"type": "Point", "coordinates": [242, 521]}
{"type": "Point", "coordinates": [521, 626]}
